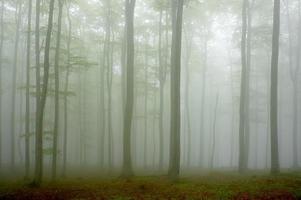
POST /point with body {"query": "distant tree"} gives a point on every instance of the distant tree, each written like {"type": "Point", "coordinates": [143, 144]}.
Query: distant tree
{"type": "Point", "coordinates": [174, 157]}
{"type": "Point", "coordinates": [128, 115]}
{"type": "Point", "coordinates": [274, 89]}
{"type": "Point", "coordinates": [39, 160]}
{"type": "Point", "coordinates": [1, 65]}
{"type": "Point", "coordinates": [66, 89]}
{"type": "Point", "coordinates": [214, 132]}
{"type": "Point", "coordinates": [27, 114]}
{"type": "Point", "coordinates": [242, 114]}
{"type": "Point", "coordinates": [38, 133]}
{"type": "Point", "coordinates": [14, 82]}
{"type": "Point", "coordinates": [57, 87]}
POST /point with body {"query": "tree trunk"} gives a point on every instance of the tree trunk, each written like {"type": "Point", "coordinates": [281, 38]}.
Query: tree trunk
{"type": "Point", "coordinates": [242, 163]}
{"type": "Point", "coordinates": [128, 115]}
{"type": "Point", "coordinates": [214, 133]}
{"type": "Point", "coordinates": [145, 105]}
{"type": "Point", "coordinates": [66, 91]}
{"type": "Point", "coordinates": [14, 83]}
{"type": "Point", "coordinates": [203, 97]}
{"type": "Point", "coordinates": [39, 147]}
{"type": "Point", "coordinates": [1, 65]}
{"type": "Point", "coordinates": [295, 81]}
{"type": "Point", "coordinates": [161, 137]}
{"type": "Point", "coordinates": [57, 87]}
{"type": "Point", "coordinates": [274, 89]}
{"type": "Point", "coordinates": [38, 136]}
{"type": "Point", "coordinates": [175, 127]}
{"type": "Point", "coordinates": [188, 43]}
{"type": "Point", "coordinates": [248, 82]}
{"type": "Point", "coordinates": [27, 114]}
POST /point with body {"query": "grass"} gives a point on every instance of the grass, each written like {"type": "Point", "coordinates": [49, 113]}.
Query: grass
{"type": "Point", "coordinates": [213, 186]}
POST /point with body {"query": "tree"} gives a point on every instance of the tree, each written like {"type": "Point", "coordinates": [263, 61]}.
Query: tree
{"type": "Point", "coordinates": [294, 75]}
{"type": "Point", "coordinates": [214, 132]}
{"type": "Point", "coordinates": [27, 114]}
{"type": "Point", "coordinates": [14, 82]}
{"type": "Point", "coordinates": [128, 115]}
{"type": "Point", "coordinates": [108, 59]}
{"type": "Point", "coordinates": [174, 157]}
{"type": "Point", "coordinates": [57, 87]}
{"type": "Point", "coordinates": [42, 103]}
{"type": "Point", "coordinates": [242, 119]}
{"type": "Point", "coordinates": [66, 88]}
{"type": "Point", "coordinates": [274, 89]}
{"type": "Point", "coordinates": [1, 64]}
{"type": "Point", "coordinates": [38, 135]}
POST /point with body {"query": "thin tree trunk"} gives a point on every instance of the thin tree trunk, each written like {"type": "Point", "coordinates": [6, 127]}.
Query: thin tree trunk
{"type": "Point", "coordinates": [242, 163]}
{"type": "Point", "coordinates": [57, 87]}
{"type": "Point", "coordinates": [39, 147]}
{"type": "Point", "coordinates": [175, 127]}
{"type": "Point", "coordinates": [214, 133]}
{"type": "Point", "coordinates": [295, 81]}
{"type": "Point", "coordinates": [248, 81]}
{"type": "Point", "coordinates": [161, 137]}
{"type": "Point", "coordinates": [203, 98]}
{"type": "Point", "coordinates": [27, 114]}
{"type": "Point", "coordinates": [14, 83]}
{"type": "Point", "coordinates": [1, 65]}
{"type": "Point", "coordinates": [38, 136]}
{"type": "Point", "coordinates": [187, 95]}
{"type": "Point", "coordinates": [274, 89]}
{"type": "Point", "coordinates": [66, 91]}
{"type": "Point", "coordinates": [146, 106]}
{"type": "Point", "coordinates": [128, 115]}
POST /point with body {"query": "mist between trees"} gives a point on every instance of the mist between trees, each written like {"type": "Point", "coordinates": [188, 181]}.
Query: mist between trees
{"type": "Point", "coordinates": [124, 88]}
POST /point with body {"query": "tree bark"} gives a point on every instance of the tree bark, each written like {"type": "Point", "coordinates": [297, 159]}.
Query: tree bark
{"type": "Point", "coordinates": [1, 65]}
{"type": "Point", "coordinates": [66, 88]}
{"type": "Point", "coordinates": [14, 83]}
{"type": "Point", "coordinates": [175, 127]}
{"type": "Point", "coordinates": [127, 171]}
{"type": "Point", "coordinates": [27, 112]}
{"type": "Point", "coordinates": [56, 91]}
{"type": "Point", "coordinates": [38, 136]}
{"type": "Point", "coordinates": [242, 163]}
{"type": "Point", "coordinates": [39, 147]}
{"type": "Point", "coordinates": [274, 89]}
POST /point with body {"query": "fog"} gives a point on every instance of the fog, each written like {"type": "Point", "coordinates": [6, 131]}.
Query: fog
{"type": "Point", "coordinates": [110, 88]}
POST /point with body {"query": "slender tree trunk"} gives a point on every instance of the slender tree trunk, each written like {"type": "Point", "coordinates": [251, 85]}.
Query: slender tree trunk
{"type": "Point", "coordinates": [39, 147]}
{"type": "Point", "coordinates": [109, 73]}
{"type": "Point", "coordinates": [102, 107]}
{"type": "Point", "coordinates": [214, 133]}
{"type": "Point", "coordinates": [57, 87]}
{"type": "Point", "coordinates": [295, 81]}
{"type": "Point", "coordinates": [248, 82]}
{"type": "Point", "coordinates": [38, 136]}
{"type": "Point", "coordinates": [274, 89]}
{"type": "Point", "coordinates": [146, 106]}
{"type": "Point", "coordinates": [187, 95]}
{"type": "Point", "coordinates": [27, 114]}
{"type": "Point", "coordinates": [123, 63]}
{"type": "Point", "coordinates": [175, 127]}
{"type": "Point", "coordinates": [66, 91]}
{"type": "Point", "coordinates": [1, 65]}
{"type": "Point", "coordinates": [14, 83]}
{"type": "Point", "coordinates": [161, 77]}
{"type": "Point", "coordinates": [128, 115]}
{"type": "Point", "coordinates": [242, 163]}
{"type": "Point", "coordinates": [203, 97]}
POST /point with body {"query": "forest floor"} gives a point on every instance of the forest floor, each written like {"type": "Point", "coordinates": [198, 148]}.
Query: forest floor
{"type": "Point", "coordinates": [213, 186]}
